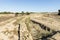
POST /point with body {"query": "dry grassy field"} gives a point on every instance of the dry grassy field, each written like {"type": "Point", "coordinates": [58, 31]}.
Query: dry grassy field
{"type": "Point", "coordinates": [34, 26]}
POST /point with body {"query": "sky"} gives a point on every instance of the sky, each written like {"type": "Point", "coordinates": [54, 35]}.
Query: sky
{"type": "Point", "coordinates": [29, 5]}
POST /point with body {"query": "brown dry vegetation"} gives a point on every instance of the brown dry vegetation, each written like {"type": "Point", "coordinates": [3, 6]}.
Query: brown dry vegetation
{"type": "Point", "coordinates": [29, 30]}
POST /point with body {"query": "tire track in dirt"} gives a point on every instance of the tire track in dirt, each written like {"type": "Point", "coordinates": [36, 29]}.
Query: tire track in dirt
{"type": "Point", "coordinates": [9, 30]}
{"type": "Point", "coordinates": [7, 21]}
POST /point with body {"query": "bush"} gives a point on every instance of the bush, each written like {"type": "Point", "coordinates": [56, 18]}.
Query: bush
{"type": "Point", "coordinates": [16, 14]}
{"type": "Point", "coordinates": [27, 13]}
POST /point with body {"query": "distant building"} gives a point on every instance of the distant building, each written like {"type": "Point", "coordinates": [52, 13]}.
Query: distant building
{"type": "Point", "coordinates": [58, 12]}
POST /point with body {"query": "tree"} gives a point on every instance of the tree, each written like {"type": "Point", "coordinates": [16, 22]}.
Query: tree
{"type": "Point", "coordinates": [22, 13]}
{"type": "Point", "coordinates": [27, 13]}
{"type": "Point", "coordinates": [16, 14]}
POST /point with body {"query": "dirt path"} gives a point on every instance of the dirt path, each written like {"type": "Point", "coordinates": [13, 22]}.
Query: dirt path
{"type": "Point", "coordinates": [9, 31]}
{"type": "Point", "coordinates": [24, 33]}
{"type": "Point", "coordinates": [7, 21]}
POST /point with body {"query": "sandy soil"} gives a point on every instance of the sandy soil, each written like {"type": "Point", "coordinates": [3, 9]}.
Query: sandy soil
{"type": "Point", "coordinates": [28, 29]}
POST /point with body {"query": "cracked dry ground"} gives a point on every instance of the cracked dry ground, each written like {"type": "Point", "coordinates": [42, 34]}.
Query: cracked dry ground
{"type": "Point", "coordinates": [32, 27]}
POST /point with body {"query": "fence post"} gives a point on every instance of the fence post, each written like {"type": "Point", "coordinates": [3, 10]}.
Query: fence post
{"type": "Point", "coordinates": [19, 32]}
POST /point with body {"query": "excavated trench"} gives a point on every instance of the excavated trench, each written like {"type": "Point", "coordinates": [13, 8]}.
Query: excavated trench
{"type": "Point", "coordinates": [19, 32]}
{"type": "Point", "coordinates": [48, 29]}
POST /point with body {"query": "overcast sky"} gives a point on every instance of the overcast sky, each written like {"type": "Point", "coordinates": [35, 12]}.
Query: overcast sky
{"type": "Point", "coordinates": [30, 5]}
